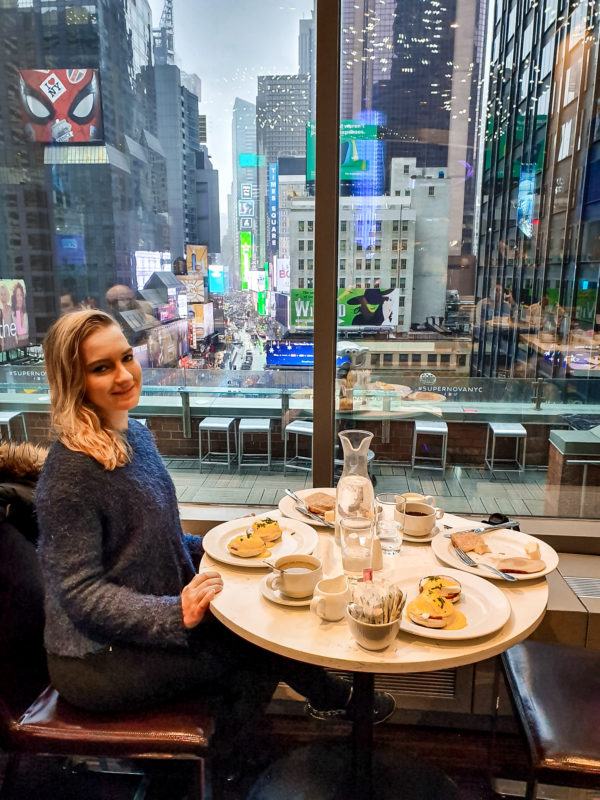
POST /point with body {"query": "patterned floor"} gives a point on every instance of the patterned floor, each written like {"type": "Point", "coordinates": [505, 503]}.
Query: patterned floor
{"type": "Point", "coordinates": [458, 490]}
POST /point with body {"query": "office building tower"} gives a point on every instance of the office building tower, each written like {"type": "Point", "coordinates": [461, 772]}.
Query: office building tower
{"type": "Point", "coordinates": [207, 202]}
{"type": "Point", "coordinates": [307, 56]}
{"type": "Point", "coordinates": [85, 192]}
{"type": "Point", "coordinates": [244, 191]}
{"type": "Point", "coordinates": [177, 118]}
{"type": "Point", "coordinates": [540, 203]}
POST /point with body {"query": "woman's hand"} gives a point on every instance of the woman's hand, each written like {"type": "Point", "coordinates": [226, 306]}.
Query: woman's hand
{"type": "Point", "coordinates": [196, 596]}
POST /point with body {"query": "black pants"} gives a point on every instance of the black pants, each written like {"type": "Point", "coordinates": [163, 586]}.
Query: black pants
{"type": "Point", "coordinates": [239, 677]}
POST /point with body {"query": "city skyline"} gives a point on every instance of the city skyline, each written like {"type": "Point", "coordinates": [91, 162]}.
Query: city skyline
{"type": "Point", "coordinates": [262, 50]}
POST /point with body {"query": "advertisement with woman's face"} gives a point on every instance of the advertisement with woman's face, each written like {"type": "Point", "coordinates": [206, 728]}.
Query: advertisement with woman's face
{"type": "Point", "coordinates": [14, 320]}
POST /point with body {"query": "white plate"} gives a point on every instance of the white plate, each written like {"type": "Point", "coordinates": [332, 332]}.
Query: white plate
{"type": "Point", "coordinates": [483, 604]}
{"type": "Point", "coordinates": [278, 597]}
{"type": "Point", "coordinates": [502, 543]}
{"type": "Point", "coordinates": [296, 538]}
{"type": "Point", "coordinates": [406, 537]}
{"type": "Point", "coordinates": [287, 506]}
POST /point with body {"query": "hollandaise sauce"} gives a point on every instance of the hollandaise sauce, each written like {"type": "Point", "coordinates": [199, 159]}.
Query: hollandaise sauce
{"type": "Point", "coordinates": [457, 622]}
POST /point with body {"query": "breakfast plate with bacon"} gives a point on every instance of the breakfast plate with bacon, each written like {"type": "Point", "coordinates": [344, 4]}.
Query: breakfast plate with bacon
{"type": "Point", "coordinates": [519, 554]}
{"type": "Point", "coordinates": [320, 501]}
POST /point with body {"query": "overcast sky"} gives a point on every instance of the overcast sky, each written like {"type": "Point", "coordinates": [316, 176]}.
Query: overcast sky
{"type": "Point", "coordinates": [227, 43]}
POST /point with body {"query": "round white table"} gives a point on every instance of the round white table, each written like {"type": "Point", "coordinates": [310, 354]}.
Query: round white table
{"type": "Point", "coordinates": [297, 633]}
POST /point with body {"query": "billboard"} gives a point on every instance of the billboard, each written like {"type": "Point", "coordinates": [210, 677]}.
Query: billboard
{"type": "Point", "coordinates": [245, 257]}
{"type": "Point", "coordinates": [14, 319]}
{"type": "Point", "coordinates": [282, 275]}
{"type": "Point", "coordinates": [70, 250]}
{"type": "Point", "coordinates": [526, 199]}
{"type": "Point", "coordinates": [168, 343]}
{"type": "Point", "coordinates": [362, 308]}
{"type": "Point", "coordinates": [216, 279]}
{"type": "Point", "coordinates": [361, 155]}
{"type": "Point", "coordinates": [204, 321]}
{"type": "Point", "coordinates": [147, 262]}
{"type": "Point", "coordinates": [294, 354]}
{"type": "Point", "coordinates": [61, 105]}
{"type": "Point", "coordinates": [273, 206]}
{"type": "Point", "coordinates": [196, 257]}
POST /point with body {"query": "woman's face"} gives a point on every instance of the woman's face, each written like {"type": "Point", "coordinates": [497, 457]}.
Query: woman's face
{"type": "Point", "coordinates": [4, 295]}
{"type": "Point", "coordinates": [19, 298]}
{"type": "Point", "coordinates": [113, 374]}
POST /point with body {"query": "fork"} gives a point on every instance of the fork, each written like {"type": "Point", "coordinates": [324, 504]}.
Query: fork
{"type": "Point", "coordinates": [471, 563]}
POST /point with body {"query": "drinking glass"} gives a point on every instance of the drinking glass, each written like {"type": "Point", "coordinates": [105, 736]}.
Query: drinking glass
{"type": "Point", "coordinates": [389, 522]}
{"type": "Point", "coordinates": [356, 539]}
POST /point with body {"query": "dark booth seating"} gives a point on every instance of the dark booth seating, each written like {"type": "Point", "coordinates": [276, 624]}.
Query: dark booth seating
{"type": "Point", "coordinates": [555, 691]}
{"type": "Point", "coordinates": [34, 719]}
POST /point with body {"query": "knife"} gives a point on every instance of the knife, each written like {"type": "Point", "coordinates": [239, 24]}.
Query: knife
{"type": "Point", "coordinates": [316, 517]}
{"type": "Point", "coordinates": [510, 524]}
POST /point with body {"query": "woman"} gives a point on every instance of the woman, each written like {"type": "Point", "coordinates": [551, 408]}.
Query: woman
{"type": "Point", "coordinates": [127, 616]}
{"type": "Point", "coordinates": [20, 314]}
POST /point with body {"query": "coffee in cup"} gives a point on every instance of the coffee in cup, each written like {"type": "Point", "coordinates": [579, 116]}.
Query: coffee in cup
{"type": "Point", "coordinates": [297, 575]}
{"type": "Point", "coordinates": [420, 518]}
{"type": "Point", "coordinates": [330, 598]}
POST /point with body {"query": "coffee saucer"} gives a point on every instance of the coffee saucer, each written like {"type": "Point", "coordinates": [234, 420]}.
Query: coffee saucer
{"type": "Point", "coordinates": [431, 535]}
{"type": "Point", "coordinates": [278, 597]}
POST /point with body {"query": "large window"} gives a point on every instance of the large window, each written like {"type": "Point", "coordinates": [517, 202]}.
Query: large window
{"type": "Point", "coordinates": [175, 186]}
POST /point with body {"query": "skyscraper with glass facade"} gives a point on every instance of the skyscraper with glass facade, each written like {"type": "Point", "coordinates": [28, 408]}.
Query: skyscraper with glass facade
{"type": "Point", "coordinates": [540, 201]}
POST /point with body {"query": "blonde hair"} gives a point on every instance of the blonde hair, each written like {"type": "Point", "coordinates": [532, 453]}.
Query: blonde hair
{"type": "Point", "coordinates": [74, 421]}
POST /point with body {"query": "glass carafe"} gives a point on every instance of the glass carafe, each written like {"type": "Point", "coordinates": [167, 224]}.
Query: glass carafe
{"type": "Point", "coordinates": [355, 496]}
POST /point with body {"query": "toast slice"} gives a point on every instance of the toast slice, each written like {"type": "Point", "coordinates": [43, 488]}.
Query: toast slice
{"type": "Point", "coordinates": [319, 503]}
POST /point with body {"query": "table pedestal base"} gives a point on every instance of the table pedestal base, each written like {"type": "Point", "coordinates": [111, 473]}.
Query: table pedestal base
{"type": "Point", "coordinates": [326, 772]}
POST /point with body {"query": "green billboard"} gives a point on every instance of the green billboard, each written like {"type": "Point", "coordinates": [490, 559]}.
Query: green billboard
{"type": "Point", "coordinates": [363, 308]}
{"type": "Point", "coordinates": [352, 164]}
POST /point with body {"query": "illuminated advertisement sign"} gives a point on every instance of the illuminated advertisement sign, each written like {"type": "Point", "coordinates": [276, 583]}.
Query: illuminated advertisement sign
{"type": "Point", "coordinates": [251, 160]}
{"type": "Point", "coordinates": [282, 274]}
{"type": "Point", "coordinates": [216, 279]}
{"type": "Point", "coordinates": [148, 262]}
{"type": "Point", "coordinates": [361, 154]}
{"type": "Point", "coordinates": [273, 205]}
{"type": "Point", "coordinates": [246, 191]}
{"type": "Point", "coordinates": [245, 257]}
{"type": "Point", "coordinates": [196, 256]}
{"type": "Point", "coordinates": [14, 320]}
{"type": "Point", "coordinates": [246, 223]}
{"type": "Point", "coordinates": [70, 250]}
{"type": "Point", "coordinates": [293, 354]}
{"type": "Point", "coordinates": [168, 343]}
{"type": "Point", "coordinates": [363, 308]}
{"type": "Point", "coordinates": [61, 105]}
{"type": "Point", "coordinates": [526, 199]}
{"type": "Point", "coordinates": [245, 208]}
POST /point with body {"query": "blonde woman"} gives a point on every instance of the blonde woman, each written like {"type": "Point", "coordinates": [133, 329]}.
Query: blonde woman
{"type": "Point", "coordinates": [127, 615]}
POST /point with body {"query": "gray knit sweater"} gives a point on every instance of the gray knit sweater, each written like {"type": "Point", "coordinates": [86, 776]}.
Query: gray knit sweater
{"type": "Point", "coordinates": [113, 554]}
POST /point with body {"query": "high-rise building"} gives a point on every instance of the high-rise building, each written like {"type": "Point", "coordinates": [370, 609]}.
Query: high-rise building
{"type": "Point", "coordinates": [417, 64]}
{"type": "Point", "coordinates": [208, 229]}
{"type": "Point", "coordinates": [307, 55]}
{"type": "Point", "coordinates": [244, 190]}
{"type": "Point", "coordinates": [539, 255]}
{"type": "Point", "coordinates": [84, 190]}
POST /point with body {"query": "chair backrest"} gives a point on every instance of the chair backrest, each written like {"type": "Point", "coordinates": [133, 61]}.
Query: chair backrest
{"type": "Point", "coordinates": [23, 669]}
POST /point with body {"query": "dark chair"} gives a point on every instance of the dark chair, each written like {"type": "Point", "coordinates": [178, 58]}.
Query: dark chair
{"type": "Point", "coordinates": [555, 690]}
{"type": "Point", "coordinates": [34, 719]}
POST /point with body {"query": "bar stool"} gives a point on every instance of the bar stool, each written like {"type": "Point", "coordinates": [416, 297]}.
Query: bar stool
{"type": "Point", "coordinates": [506, 430]}
{"type": "Point", "coordinates": [300, 427]}
{"type": "Point", "coordinates": [219, 425]}
{"type": "Point", "coordinates": [254, 425]}
{"type": "Point", "coordinates": [6, 417]}
{"type": "Point", "coordinates": [429, 428]}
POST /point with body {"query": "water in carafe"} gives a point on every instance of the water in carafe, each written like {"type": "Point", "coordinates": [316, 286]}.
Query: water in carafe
{"type": "Point", "coordinates": [355, 496]}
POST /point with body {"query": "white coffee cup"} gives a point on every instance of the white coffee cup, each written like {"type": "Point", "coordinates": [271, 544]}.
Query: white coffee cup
{"type": "Point", "coordinates": [415, 497]}
{"type": "Point", "coordinates": [297, 575]}
{"type": "Point", "coordinates": [330, 598]}
{"type": "Point", "coordinates": [420, 518]}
